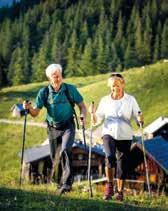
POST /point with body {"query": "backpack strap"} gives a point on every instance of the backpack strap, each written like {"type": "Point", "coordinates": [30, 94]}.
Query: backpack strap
{"type": "Point", "coordinates": [46, 93]}
{"type": "Point", "coordinates": [72, 104]}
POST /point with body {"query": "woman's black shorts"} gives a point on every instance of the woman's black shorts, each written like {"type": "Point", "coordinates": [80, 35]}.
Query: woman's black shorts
{"type": "Point", "coordinates": [117, 154]}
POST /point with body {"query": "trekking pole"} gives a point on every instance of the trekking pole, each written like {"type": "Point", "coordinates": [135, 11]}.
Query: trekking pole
{"type": "Point", "coordinates": [23, 145]}
{"type": "Point", "coordinates": [90, 153]}
{"type": "Point", "coordinates": [83, 130]}
{"type": "Point", "coordinates": [144, 154]}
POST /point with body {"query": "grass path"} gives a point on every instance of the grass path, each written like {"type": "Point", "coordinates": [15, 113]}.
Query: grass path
{"type": "Point", "coordinates": [21, 122]}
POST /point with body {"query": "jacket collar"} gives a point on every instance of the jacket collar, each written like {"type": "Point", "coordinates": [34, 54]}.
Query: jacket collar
{"type": "Point", "coordinates": [62, 88]}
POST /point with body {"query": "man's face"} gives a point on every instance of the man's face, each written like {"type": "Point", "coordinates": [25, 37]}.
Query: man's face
{"type": "Point", "coordinates": [56, 78]}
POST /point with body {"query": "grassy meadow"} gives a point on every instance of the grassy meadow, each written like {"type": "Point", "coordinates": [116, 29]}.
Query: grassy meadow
{"type": "Point", "coordinates": [149, 85]}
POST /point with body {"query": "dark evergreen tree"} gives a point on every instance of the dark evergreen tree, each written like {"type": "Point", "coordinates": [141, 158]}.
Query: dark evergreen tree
{"type": "Point", "coordinates": [26, 55]}
{"type": "Point", "coordinates": [119, 37]}
{"type": "Point", "coordinates": [130, 33]}
{"type": "Point", "coordinates": [43, 25]}
{"type": "Point", "coordinates": [115, 8]}
{"type": "Point", "coordinates": [3, 80]}
{"type": "Point", "coordinates": [139, 41]}
{"type": "Point", "coordinates": [130, 56]}
{"type": "Point", "coordinates": [103, 22]}
{"type": "Point", "coordinates": [72, 57]}
{"type": "Point", "coordinates": [156, 54]}
{"type": "Point", "coordinates": [15, 74]}
{"type": "Point", "coordinates": [163, 10]}
{"type": "Point", "coordinates": [147, 39]}
{"type": "Point", "coordinates": [154, 10]}
{"type": "Point", "coordinates": [41, 60]}
{"type": "Point", "coordinates": [108, 51]}
{"type": "Point", "coordinates": [157, 44]}
{"type": "Point", "coordinates": [115, 61]}
{"type": "Point", "coordinates": [164, 42]}
{"type": "Point", "coordinates": [100, 62]}
{"type": "Point", "coordinates": [83, 34]}
{"type": "Point", "coordinates": [56, 42]}
{"type": "Point", "coordinates": [87, 64]}
{"type": "Point", "coordinates": [6, 40]}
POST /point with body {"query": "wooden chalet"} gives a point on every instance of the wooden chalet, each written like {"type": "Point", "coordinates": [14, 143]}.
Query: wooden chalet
{"type": "Point", "coordinates": [156, 128]}
{"type": "Point", "coordinates": [156, 150]}
{"type": "Point", "coordinates": [37, 162]}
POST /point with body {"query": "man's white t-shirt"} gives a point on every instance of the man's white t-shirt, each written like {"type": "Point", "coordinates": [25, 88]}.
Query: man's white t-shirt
{"type": "Point", "coordinates": [117, 115]}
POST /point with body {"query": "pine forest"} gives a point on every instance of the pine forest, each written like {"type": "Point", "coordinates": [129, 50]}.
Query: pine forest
{"type": "Point", "coordinates": [87, 37]}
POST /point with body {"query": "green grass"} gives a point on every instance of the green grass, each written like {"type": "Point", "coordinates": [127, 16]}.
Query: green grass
{"type": "Point", "coordinates": [11, 145]}
{"type": "Point", "coordinates": [44, 197]}
{"type": "Point", "coordinates": [149, 86]}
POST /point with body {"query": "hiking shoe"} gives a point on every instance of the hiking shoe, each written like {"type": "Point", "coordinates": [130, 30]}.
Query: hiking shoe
{"type": "Point", "coordinates": [108, 191]}
{"type": "Point", "coordinates": [64, 188]}
{"type": "Point", "coordinates": [119, 196]}
{"type": "Point", "coordinates": [58, 187]}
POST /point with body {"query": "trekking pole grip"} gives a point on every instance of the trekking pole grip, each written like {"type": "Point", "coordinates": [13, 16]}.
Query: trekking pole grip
{"type": "Point", "coordinates": [139, 121]}
{"type": "Point", "coordinates": [92, 107]}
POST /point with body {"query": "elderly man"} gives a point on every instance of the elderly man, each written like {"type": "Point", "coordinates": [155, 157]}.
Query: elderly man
{"type": "Point", "coordinates": [58, 98]}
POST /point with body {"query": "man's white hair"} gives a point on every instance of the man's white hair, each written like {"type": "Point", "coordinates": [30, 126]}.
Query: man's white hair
{"type": "Point", "coordinates": [52, 68]}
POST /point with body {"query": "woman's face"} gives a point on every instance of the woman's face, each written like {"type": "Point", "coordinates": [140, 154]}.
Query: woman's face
{"type": "Point", "coordinates": [56, 79]}
{"type": "Point", "coordinates": [117, 87]}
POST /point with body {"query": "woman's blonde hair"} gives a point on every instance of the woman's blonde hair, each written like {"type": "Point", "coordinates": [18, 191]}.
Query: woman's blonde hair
{"type": "Point", "coordinates": [115, 76]}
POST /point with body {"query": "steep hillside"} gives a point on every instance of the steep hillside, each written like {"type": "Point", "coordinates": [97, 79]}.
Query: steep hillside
{"type": "Point", "coordinates": [148, 84]}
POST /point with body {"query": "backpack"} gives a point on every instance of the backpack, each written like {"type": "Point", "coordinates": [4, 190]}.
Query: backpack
{"type": "Point", "coordinates": [46, 93]}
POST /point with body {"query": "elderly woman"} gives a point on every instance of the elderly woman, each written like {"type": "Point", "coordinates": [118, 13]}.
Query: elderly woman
{"type": "Point", "coordinates": [117, 109]}
{"type": "Point", "coordinates": [58, 98]}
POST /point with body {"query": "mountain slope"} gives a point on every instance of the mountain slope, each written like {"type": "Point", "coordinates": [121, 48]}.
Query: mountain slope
{"type": "Point", "coordinates": [149, 85]}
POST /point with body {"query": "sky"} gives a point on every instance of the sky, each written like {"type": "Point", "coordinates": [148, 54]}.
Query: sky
{"type": "Point", "coordinates": [6, 2]}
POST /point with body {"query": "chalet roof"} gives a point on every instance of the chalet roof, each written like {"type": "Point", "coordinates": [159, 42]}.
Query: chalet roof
{"type": "Point", "coordinates": [98, 149]}
{"type": "Point", "coordinates": [17, 110]}
{"type": "Point", "coordinates": [156, 125]}
{"type": "Point", "coordinates": [42, 151]}
{"type": "Point", "coordinates": [157, 149]}
{"type": "Point", "coordinates": [36, 153]}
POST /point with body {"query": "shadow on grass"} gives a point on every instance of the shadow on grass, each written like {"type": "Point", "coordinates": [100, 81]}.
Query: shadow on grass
{"type": "Point", "coordinates": [17, 199]}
